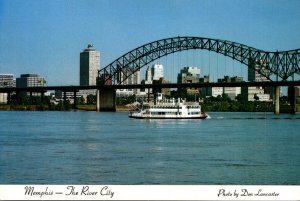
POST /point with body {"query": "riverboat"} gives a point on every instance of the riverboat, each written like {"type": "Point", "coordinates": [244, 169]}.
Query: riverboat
{"type": "Point", "coordinates": [169, 110]}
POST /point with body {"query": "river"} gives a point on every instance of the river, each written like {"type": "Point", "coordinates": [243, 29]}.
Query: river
{"type": "Point", "coordinates": [110, 148]}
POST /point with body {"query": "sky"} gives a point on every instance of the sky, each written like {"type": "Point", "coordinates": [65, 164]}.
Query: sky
{"type": "Point", "coordinates": [47, 36]}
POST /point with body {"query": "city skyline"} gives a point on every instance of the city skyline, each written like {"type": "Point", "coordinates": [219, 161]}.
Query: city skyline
{"type": "Point", "coordinates": [46, 37]}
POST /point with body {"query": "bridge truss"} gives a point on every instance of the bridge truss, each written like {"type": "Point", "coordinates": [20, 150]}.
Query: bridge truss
{"type": "Point", "coordinates": [281, 65]}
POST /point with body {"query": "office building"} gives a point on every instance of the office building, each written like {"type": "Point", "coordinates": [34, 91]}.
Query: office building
{"type": "Point", "coordinates": [204, 79]}
{"type": "Point", "coordinates": [253, 75]}
{"type": "Point", "coordinates": [148, 80]}
{"type": "Point", "coordinates": [89, 66]}
{"type": "Point", "coordinates": [217, 91]}
{"type": "Point", "coordinates": [189, 75]}
{"type": "Point", "coordinates": [30, 80]}
{"type": "Point", "coordinates": [236, 79]}
{"type": "Point", "coordinates": [6, 80]}
{"type": "Point", "coordinates": [128, 77]}
{"type": "Point", "coordinates": [157, 72]}
{"type": "Point", "coordinates": [231, 92]}
{"type": "Point", "coordinates": [258, 93]}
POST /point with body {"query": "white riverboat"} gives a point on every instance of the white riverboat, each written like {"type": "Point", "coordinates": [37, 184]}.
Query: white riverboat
{"type": "Point", "coordinates": [169, 110]}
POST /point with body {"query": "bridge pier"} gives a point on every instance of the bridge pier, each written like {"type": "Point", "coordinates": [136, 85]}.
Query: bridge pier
{"type": "Point", "coordinates": [75, 100]}
{"type": "Point", "coordinates": [277, 102]}
{"type": "Point", "coordinates": [65, 99]}
{"type": "Point", "coordinates": [98, 100]}
{"type": "Point", "coordinates": [292, 98]}
{"type": "Point", "coordinates": [154, 91]}
{"type": "Point", "coordinates": [42, 97]}
{"type": "Point", "coordinates": [8, 98]}
{"type": "Point", "coordinates": [106, 100]}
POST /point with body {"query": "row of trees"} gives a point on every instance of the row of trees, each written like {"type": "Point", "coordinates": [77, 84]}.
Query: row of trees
{"type": "Point", "coordinates": [220, 103]}
{"type": "Point", "coordinates": [23, 102]}
{"type": "Point", "coordinates": [225, 104]}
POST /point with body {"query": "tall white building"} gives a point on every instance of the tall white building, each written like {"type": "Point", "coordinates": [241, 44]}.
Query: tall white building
{"type": "Point", "coordinates": [157, 71]}
{"type": "Point", "coordinates": [89, 66]}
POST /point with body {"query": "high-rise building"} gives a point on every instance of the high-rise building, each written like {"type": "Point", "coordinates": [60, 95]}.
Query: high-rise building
{"type": "Point", "coordinates": [148, 76]}
{"type": "Point", "coordinates": [89, 66]}
{"type": "Point", "coordinates": [157, 72]}
{"type": "Point", "coordinates": [30, 80]}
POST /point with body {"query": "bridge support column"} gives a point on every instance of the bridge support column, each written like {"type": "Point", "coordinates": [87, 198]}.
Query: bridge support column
{"type": "Point", "coordinates": [277, 102]}
{"type": "Point", "coordinates": [18, 98]}
{"type": "Point", "coordinates": [75, 100]}
{"type": "Point", "coordinates": [291, 95]}
{"type": "Point", "coordinates": [106, 100]}
{"type": "Point", "coordinates": [98, 100]}
{"type": "Point", "coordinates": [8, 98]}
{"type": "Point", "coordinates": [42, 97]}
{"type": "Point", "coordinates": [154, 95]}
{"type": "Point", "coordinates": [65, 100]}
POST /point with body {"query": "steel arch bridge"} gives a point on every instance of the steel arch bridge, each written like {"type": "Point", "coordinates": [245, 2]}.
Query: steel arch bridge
{"type": "Point", "coordinates": [281, 65]}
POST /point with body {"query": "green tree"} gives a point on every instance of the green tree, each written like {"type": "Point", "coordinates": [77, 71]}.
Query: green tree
{"type": "Point", "coordinates": [91, 99]}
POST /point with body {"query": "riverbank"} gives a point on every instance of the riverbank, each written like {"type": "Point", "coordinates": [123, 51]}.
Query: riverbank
{"type": "Point", "coordinates": [4, 107]}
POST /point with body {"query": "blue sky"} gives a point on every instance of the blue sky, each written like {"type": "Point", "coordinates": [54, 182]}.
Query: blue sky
{"type": "Point", "coordinates": [46, 37]}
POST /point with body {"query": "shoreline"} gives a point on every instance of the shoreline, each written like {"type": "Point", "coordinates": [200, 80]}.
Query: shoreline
{"type": "Point", "coordinates": [283, 108]}
{"type": "Point", "coordinates": [46, 108]}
